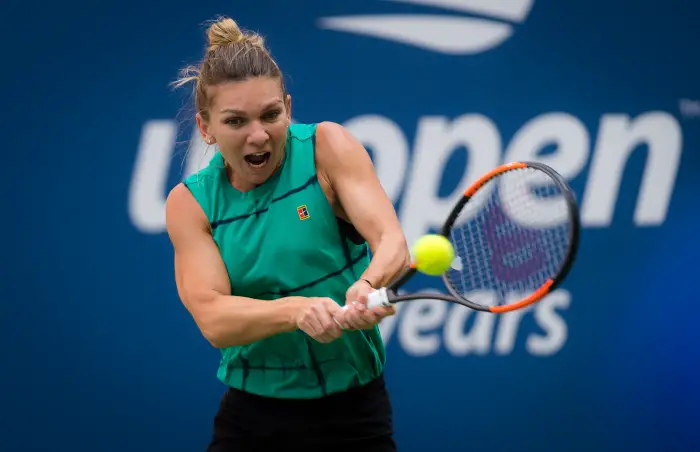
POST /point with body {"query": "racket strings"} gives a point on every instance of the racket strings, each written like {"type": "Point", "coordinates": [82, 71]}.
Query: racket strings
{"type": "Point", "coordinates": [510, 238]}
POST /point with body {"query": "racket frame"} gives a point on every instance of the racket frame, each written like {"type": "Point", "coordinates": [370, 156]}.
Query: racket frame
{"type": "Point", "coordinates": [386, 296]}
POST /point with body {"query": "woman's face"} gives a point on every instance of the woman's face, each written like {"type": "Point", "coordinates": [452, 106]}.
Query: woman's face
{"type": "Point", "coordinates": [249, 120]}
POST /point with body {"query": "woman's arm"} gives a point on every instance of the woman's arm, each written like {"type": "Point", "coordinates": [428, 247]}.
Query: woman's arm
{"type": "Point", "coordinates": [204, 288]}
{"type": "Point", "coordinates": [347, 168]}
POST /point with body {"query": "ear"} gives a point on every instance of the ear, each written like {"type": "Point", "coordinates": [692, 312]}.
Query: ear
{"type": "Point", "coordinates": [205, 130]}
{"type": "Point", "coordinates": [288, 105]}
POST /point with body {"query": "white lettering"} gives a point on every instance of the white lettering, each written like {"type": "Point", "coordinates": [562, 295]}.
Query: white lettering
{"type": "Point", "coordinates": [147, 189]}
{"type": "Point", "coordinates": [419, 321]}
{"type": "Point", "coordinates": [561, 129]}
{"type": "Point", "coordinates": [617, 138]}
{"type": "Point", "coordinates": [554, 326]}
{"type": "Point", "coordinates": [508, 325]}
{"type": "Point", "coordinates": [518, 198]}
{"type": "Point", "coordinates": [478, 340]}
{"type": "Point", "coordinates": [436, 140]}
{"type": "Point", "coordinates": [388, 145]}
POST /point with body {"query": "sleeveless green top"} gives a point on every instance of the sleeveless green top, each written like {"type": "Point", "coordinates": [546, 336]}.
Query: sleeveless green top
{"type": "Point", "coordinates": [283, 239]}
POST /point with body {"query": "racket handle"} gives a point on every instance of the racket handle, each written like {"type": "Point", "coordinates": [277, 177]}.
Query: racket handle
{"type": "Point", "coordinates": [379, 297]}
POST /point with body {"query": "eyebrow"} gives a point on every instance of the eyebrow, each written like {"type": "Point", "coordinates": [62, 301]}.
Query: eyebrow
{"type": "Point", "coordinates": [243, 113]}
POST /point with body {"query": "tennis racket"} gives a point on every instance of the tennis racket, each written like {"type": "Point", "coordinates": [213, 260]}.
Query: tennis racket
{"type": "Point", "coordinates": [515, 233]}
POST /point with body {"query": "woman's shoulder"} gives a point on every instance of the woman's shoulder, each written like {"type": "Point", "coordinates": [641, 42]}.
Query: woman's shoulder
{"type": "Point", "coordinates": [336, 145]}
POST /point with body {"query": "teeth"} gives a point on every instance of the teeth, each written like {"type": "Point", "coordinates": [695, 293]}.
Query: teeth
{"type": "Point", "coordinates": [259, 154]}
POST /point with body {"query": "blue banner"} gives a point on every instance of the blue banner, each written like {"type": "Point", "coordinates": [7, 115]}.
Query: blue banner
{"type": "Point", "coordinates": [100, 355]}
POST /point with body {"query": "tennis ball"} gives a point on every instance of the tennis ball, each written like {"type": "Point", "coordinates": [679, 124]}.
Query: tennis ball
{"type": "Point", "coordinates": [433, 254]}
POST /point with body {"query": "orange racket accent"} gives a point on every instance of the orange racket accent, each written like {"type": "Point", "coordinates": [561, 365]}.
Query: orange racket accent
{"type": "Point", "coordinates": [541, 292]}
{"type": "Point", "coordinates": [414, 265]}
{"type": "Point", "coordinates": [490, 175]}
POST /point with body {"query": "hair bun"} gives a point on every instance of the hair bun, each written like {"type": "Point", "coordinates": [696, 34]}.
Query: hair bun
{"type": "Point", "coordinates": [226, 31]}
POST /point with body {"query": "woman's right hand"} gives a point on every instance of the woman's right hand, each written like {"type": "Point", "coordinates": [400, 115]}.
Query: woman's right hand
{"type": "Point", "coordinates": [320, 318]}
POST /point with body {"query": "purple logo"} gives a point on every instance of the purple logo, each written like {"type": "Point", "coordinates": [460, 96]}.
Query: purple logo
{"type": "Point", "coordinates": [515, 254]}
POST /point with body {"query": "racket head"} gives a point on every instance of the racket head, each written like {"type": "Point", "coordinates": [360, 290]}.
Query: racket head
{"type": "Point", "coordinates": [516, 233]}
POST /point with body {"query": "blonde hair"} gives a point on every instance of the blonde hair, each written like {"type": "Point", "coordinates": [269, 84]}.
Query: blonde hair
{"type": "Point", "coordinates": [231, 55]}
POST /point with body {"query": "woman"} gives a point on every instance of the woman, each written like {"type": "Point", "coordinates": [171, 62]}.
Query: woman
{"type": "Point", "coordinates": [270, 240]}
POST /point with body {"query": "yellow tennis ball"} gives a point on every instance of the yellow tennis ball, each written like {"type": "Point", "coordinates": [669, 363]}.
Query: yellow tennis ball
{"type": "Point", "coordinates": [433, 254]}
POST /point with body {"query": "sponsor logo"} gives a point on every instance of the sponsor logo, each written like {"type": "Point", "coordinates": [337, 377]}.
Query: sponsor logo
{"type": "Point", "coordinates": [491, 22]}
{"type": "Point", "coordinates": [303, 212]}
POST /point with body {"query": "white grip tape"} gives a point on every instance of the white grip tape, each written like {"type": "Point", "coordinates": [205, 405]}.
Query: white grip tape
{"type": "Point", "coordinates": [378, 298]}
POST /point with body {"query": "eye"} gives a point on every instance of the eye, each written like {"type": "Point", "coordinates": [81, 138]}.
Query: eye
{"type": "Point", "coordinates": [235, 121]}
{"type": "Point", "coordinates": [271, 115]}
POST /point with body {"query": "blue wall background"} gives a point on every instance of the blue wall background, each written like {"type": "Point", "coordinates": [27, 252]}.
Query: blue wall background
{"type": "Point", "coordinates": [99, 354]}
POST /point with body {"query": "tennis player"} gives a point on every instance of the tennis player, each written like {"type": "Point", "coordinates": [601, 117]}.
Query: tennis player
{"type": "Point", "coordinates": [270, 240]}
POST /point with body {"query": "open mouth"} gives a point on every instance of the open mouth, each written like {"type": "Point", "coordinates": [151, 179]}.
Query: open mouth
{"type": "Point", "coordinates": [257, 160]}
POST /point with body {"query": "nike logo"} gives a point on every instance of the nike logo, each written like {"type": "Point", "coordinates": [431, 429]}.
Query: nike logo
{"type": "Point", "coordinates": [447, 34]}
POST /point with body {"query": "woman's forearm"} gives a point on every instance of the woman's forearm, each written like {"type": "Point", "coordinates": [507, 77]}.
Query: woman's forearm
{"type": "Point", "coordinates": [389, 259]}
{"type": "Point", "coordinates": [227, 321]}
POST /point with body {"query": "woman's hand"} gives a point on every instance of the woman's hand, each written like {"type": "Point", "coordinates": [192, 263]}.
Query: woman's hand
{"type": "Point", "coordinates": [357, 315]}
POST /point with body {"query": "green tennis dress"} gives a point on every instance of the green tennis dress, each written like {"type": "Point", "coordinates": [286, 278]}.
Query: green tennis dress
{"type": "Point", "coordinates": [283, 239]}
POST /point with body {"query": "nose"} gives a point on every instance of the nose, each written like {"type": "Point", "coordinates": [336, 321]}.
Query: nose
{"type": "Point", "coordinates": [258, 136]}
